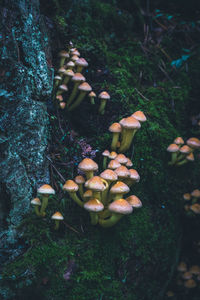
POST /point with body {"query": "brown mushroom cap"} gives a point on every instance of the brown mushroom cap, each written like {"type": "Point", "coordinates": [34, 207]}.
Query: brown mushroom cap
{"type": "Point", "coordinates": [196, 193]}
{"type": "Point", "coordinates": [87, 164]}
{"type": "Point", "coordinates": [104, 95]}
{"type": "Point", "coordinates": [78, 77]}
{"type": "Point", "coordinates": [113, 164]}
{"type": "Point", "coordinates": [36, 201]}
{"type": "Point", "coordinates": [130, 123]}
{"type": "Point", "coordinates": [119, 187]}
{"type": "Point", "coordinates": [87, 194]}
{"type": "Point", "coordinates": [195, 270]}
{"type": "Point", "coordinates": [106, 153]}
{"type": "Point", "coordinates": [190, 157]}
{"type": "Point", "coordinates": [70, 64]}
{"type": "Point", "coordinates": [185, 149]}
{"type": "Point", "coordinates": [129, 163]}
{"type": "Point", "coordinates": [179, 141]}
{"type": "Point", "coordinates": [113, 155]}
{"type": "Point", "coordinates": [140, 116]}
{"type": "Point", "coordinates": [109, 175]}
{"type": "Point", "coordinates": [187, 275]}
{"type": "Point", "coordinates": [92, 94]}
{"type": "Point", "coordinates": [70, 186]}
{"type": "Point", "coordinates": [46, 189]}
{"type": "Point", "coordinates": [134, 175]}
{"type": "Point", "coordinates": [74, 58]}
{"type": "Point", "coordinates": [182, 267]}
{"type": "Point", "coordinates": [95, 184]}
{"type": "Point", "coordinates": [193, 143]}
{"type": "Point", "coordinates": [122, 172]}
{"type": "Point", "coordinates": [115, 127]}
{"type": "Point", "coordinates": [85, 87]}
{"type": "Point", "coordinates": [64, 53]}
{"type": "Point", "coordinates": [81, 62]}
{"type": "Point", "coordinates": [122, 159]}
{"type": "Point", "coordinates": [63, 87]}
{"type": "Point", "coordinates": [59, 98]}
{"type": "Point", "coordinates": [173, 148]}
{"type": "Point", "coordinates": [186, 196]}
{"type": "Point", "coordinates": [79, 179]}
{"type": "Point", "coordinates": [69, 73]}
{"type": "Point", "coordinates": [195, 208]}
{"type": "Point", "coordinates": [75, 52]}
{"type": "Point", "coordinates": [62, 105]}
{"type": "Point", "coordinates": [57, 216]}
{"type": "Point", "coordinates": [61, 70]}
{"type": "Point", "coordinates": [134, 201]}
{"type": "Point", "coordinates": [57, 77]}
{"type": "Point", "coordinates": [190, 284]}
{"type": "Point", "coordinates": [93, 205]}
{"type": "Point", "coordinates": [120, 206]}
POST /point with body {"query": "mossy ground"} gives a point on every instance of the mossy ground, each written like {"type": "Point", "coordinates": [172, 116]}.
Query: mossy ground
{"type": "Point", "coordinates": [135, 259]}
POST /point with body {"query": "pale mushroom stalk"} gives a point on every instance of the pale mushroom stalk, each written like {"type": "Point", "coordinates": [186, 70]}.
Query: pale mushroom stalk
{"type": "Point", "coordinates": [73, 93]}
{"type": "Point", "coordinates": [182, 162]}
{"type": "Point", "coordinates": [80, 189]}
{"type": "Point", "coordinates": [102, 106]}
{"type": "Point", "coordinates": [78, 101]}
{"type": "Point", "coordinates": [110, 221]}
{"type": "Point", "coordinates": [36, 208]}
{"type": "Point", "coordinates": [57, 223]}
{"type": "Point", "coordinates": [94, 218]}
{"type": "Point", "coordinates": [74, 197]}
{"type": "Point", "coordinates": [115, 139]}
{"type": "Point", "coordinates": [44, 205]}
{"type": "Point", "coordinates": [128, 137]}
{"type": "Point", "coordinates": [79, 69]}
{"type": "Point", "coordinates": [105, 162]}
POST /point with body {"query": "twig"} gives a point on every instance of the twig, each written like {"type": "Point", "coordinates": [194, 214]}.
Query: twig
{"type": "Point", "coordinates": [141, 94]}
{"type": "Point", "coordinates": [67, 225]}
{"type": "Point", "coordinates": [55, 169]}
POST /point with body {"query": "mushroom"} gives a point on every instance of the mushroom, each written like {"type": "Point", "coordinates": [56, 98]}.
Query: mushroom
{"type": "Point", "coordinates": [104, 96]}
{"type": "Point", "coordinates": [113, 155]}
{"type": "Point", "coordinates": [94, 206]}
{"type": "Point", "coordinates": [190, 284]}
{"type": "Point", "coordinates": [182, 267]}
{"type": "Point", "coordinates": [92, 95]}
{"type": "Point", "coordinates": [70, 65]}
{"type": "Point", "coordinates": [195, 195]}
{"type": "Point", "coordinates": [105, 154]}
{"type": "Point", "coordinates": [113, 164]}
{"type": "Point", "coordinates": [62, 105]}
{"type": "Point", "coordinates": [63, 56]}
{"type": "Point", "coordinates": [122, 173]}
{"type": "Point", "coordinates": [61, 89]}
{"type": "Point", "coordinates": [57, 217]}
{"type": "Point", "coordinates": [122, 159]}
{"type": "Point", "coordinates": [116, 129]}
{"type": "Point", "coordinates": [118, 190]}
{"type": "Point", "coordinates": [110, 176]}
{"type": "Point", "coordinates": [45, 190]}
{"type": "Point", "coordinates": [193, 143]}
{"type": "Point", "coordinates": [77, 79]}
{"type": "Point", "coordinates": [36, 203]}
{"type": "Point", "coordinates": [140, 116]}
{"type": "Point", "coordinates": [80, 180]}
{"type": "Point", "coordinates": [57, 79]}
{"type": "Point", "coordinates": [81, 63]}
{"type": "Point", "coordinates": [130, 126]}
{"type": "Point", "coordinates": [68, 74]}
{"type": "Point", "coordinates": [134, 201]}
{"type": "Point", "coordinates": [133, 178]}
{"type": "Point", "coordinates": [187, 197]}
{"type": "Point", "coordinates": [88, 166]}
{"type": "Point", "coordinates": [179, 141]}
{"type": "Point", "coordinates": [97, 185]}
{"type": "Point", "coordinates": [174, 150]}
{"type": "Point", "coordinates": [84, 88]}
{"type": "Point", "coordinates": [71, 187]}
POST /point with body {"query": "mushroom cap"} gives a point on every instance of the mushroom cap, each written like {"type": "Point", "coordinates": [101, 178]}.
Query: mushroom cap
{"type": "Point", "coordinates": [106, 153]}
{"type": "Point", "coordinates": [87, 194]}
{"type": "Point", "coordinates": [179, 141]}
{"type": "Point", "coordinates": [63, 87]}
{"type": "Point", "coordinates": [122, 159]}
{"type": "Point", "coordinates": [94, 205]}
{"type": "Point", "coordinates": [120, 206]}
{"type": "Point", "coordinates": [104, 95]}
{"type": "Point", "coordinates": [187, 196]}
{"type": "Point", "coordinates": [196, 193]}
{"type": "Point", "coordinates": [75, 52]}
{"type": "Point", "coordinates": [122, 172]}
{"type": "Point", "coordinates": [69, 73]}
{"type": "Point", "coordinates": [113, 164]}
{"type": "Point", "coordinates": [190, 157]}
{"type": "Point", "coordinates": [62, 70]}
{"type": "Point", "coordinates": [182, 267]}
{"type": "Point", "coordinates": [109, 175]}
{"type": "Point", "coordinates": [130, 123]}
{"type": "Point", "coordinates": [113, 155]}
{"type": "Point", "coordinates": [64, 53]}
{"type": "Point", "coordinates": [134, 201]}
{"type": "Point", "coordinates": [92, 94]}
{"type": "Point", "coordinates": [134, 175]}
{"type": "Point", "coordinates": [186, 275]}
{"type": "Point", "coordinates": [57, 77]}
{"type": "Point", "coordinates": [193, 143]}
{"type": "Point", "coordinates": [87, 164]}
{"type": "Point", "coordinates": [74, 58]}
{"type": "Point", "coordinates": [115, 127]}
{"type": "Point", "coordinates": [59, 98]}
{"type": "Point", "coordinates": [195, 270]}
{"type": "Point", "coordinates": [185, 149]}
{"type": "Point", "coordinates": [78, 77]}
{"type": "Point", "coordinates": [46, 189]}
{"type": "Point", "coordinates": [70, 64]}
{"type": "Point", "coordinates": [85, 87]}
{"type": "Point", "coordinates": [81, 62]}
{"type": "Point", "coordinates": [173, 148]}
{"type": "Point", "coordinates": [79, 179]}
{"type": "Point", "coordinates": [62, 105]}
{"type": "Point", "coordinates": [36, 201]}
{"type": "Point", "coordinates": [129, 163]}
{"type": "Point", "coordinates": [70, 186]}
{"type": "Point", "coordinates": [195, 208]}
{"type": "Point", "coordinates": [96, 184]}
{"type": "Point", "coordinates": [190, 284]}
{"type": "Point", "coordinates": [57, 216]}
{"type": "Point", "coordinates": [140, 116]}
{"type": "Point", "coordinates": [119, 187]}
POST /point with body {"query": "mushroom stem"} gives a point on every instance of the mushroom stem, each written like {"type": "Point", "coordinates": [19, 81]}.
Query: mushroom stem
{"type": "Point", "coordinates": [111, 221]}
{"type": "Point", "coordinates": [78, 101]}
{"type": "Point", "coordinates": [80, 189]}
{"type": "Point", "coordinates": [92, 100]}
{"type": "Point", "coordinates": [97, 195]}
{"type": "Point", "coordinates": [102, 106]}
{"type": "Point", "coordinates": [104, 196]}
{"type": "Point", "coordinates": [44, 204]}
{"type": "Point", "coordinates": [37, 210]}
{"type": "Point", "coordinates": [56, 224]}
{"type": "Point", "coordinates": [115, 139]}
{"type": "Point", "coordinates": [89, 174]}
{"type": "Point", "coordinates": [104, 162]}
{"type": "Point", "coordinates": [94, 218]}
{"type": "Point", "coordinates": [76, 198]}
{"type": "Point", "coordinates": [79, 69]}
{"type": "Point", "coordinates": [182, 162]}
{"type": "Point", "coordinates": [174, 158]}
{"type": "Point", "coordinates": [73, 94]}
{"type": "Point", "coordinates": [128, 137]}
{"type": "Point", "coordinates": [66, 79]}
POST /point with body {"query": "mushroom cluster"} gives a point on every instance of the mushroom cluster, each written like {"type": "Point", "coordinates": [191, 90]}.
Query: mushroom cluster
{"type": "Point", "coordinates": [193, 201]}
{"type": "Point", "coordinates": [188, 277]}
{"type": "Point", "coordinates": [182, 154]}
{"type": "Point", "coordinates": [70, 86]}
{"type": "Point", "coordinates": [103, 196]}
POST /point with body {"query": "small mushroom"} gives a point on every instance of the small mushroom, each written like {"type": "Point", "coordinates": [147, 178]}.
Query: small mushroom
{"type": "Point", "coordinates": [36, 203]}
{"type": "Point", "coordinates": [71, 187]}
{"type": "Point", "coordinates": [45, 190]}
{"type": "Point", "coordinates": [57, 217]}
{"type": "Point", "coordinates": [84, 88]}
{"type": "Point", "coordinates": [116, 129]}
{"type": "Point", "coordinates": [104, 96]}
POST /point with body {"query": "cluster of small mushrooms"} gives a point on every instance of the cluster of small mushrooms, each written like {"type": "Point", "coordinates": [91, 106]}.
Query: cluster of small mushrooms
{"type": "Point", "coordinates": [182, 154]}
{"type": "Point", "coordinates": [192, 200]}
{"type": "Point", "coordinates": [70, 86]}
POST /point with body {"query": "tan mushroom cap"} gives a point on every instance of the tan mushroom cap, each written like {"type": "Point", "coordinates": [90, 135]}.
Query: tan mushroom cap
{"type": "Point", "coordinates": [87, 164]}
{"type": "Point", "coordinates": [134, 201]}
{"type": "Point", "coordinates": [190, 284]}
{"type": "Point", "coordinates": [36, 201]}
{"type": "Point", "coordinates": [122, 159]}
{"type": "Point", "coordinates": [120, 206]}
{"type": "Point", "coordinates": [173, 148]}
{"type": "Point", "coordinates": [104, 95]}
{"type": "Point", "coordinates": [115, 127]}
{"type": "Point", "coordinates": [106, 153]}
{"type": "Point", "coordinates": [186, 196]}
{"type": "Point", "coordinates": [195, 270]}
{"type": "Point", "coordinates": [94, 205]}
{"type": "Point", "coordinates": [139, 115]}
{"type": "Point", "coordinates": [64, 53]}
{"type": "Point", "coordinates": [185, 149]}
{"type": "Point", "coordinates": [130, 123]}
{"type": "Point", "coordinates": [182, 267]}
{"type": "Point", "coordinates": [70, 186]}
{"type": "Point", "coordinates": [59, 98]}
{"type": "Point", "coordinates": [195, 208]}
{"type": "Point", "coordinates": [196, 193]}
{"type": "Point", "coordinates": [62, 105]}
{"type": "Point", "coordinates": [119, 187]}
{"type": "Point", "coordinates": [113, 155]}
{"type": "Point", "coordinates": [109, 175]}
{"type": "Point", "coordinates": [134, 175]}
{"type": "Point", "coordinates": [46, 189]}
{"type": "Point", "coordinates": [81, 62]}
{"type": "Point", "coordinates": [129, 163]}
{"type": "Point", "coordinates": [78, 77]}
{"type": "Point", "coordinates": [113, 164]}
{"type": "Point", "coordinates": [70, 64]}
{"type": "Point", "coordinates": [187, 275]}
{"type": "Point", "coordinates": [96, 184]}
{"type": "Point", "coordinates": [74, 58]}
{"type": "Point", "coordinates": [179, 141]}
{"type": "Point", "coordinates": [193, 143]}
{"type": "Point", "coordinates": [75, 52]}
{"type": "Point", "coordinates": [85, 87]}
{"type": "Point", "coordinates": [92, 94]}
{"type": "Point", "coordinates": [69, 73]}
{"type": "Point", "coordinates": [63, 87]}
{"type": "Point", "coordinates": [57, 77]}
{"type": "Point", "coordinates": [61, 70]}
{"type": "Point", "coordinates": [57, 216]}
{"type": "Point", "coordinates": [79, 179]}
{"type": "Point", "coordinates": [122, 172]}
{"type": "Point", "coordinates": [190, 157]}
{"type": "Point", "coordinates": [87, 194]}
